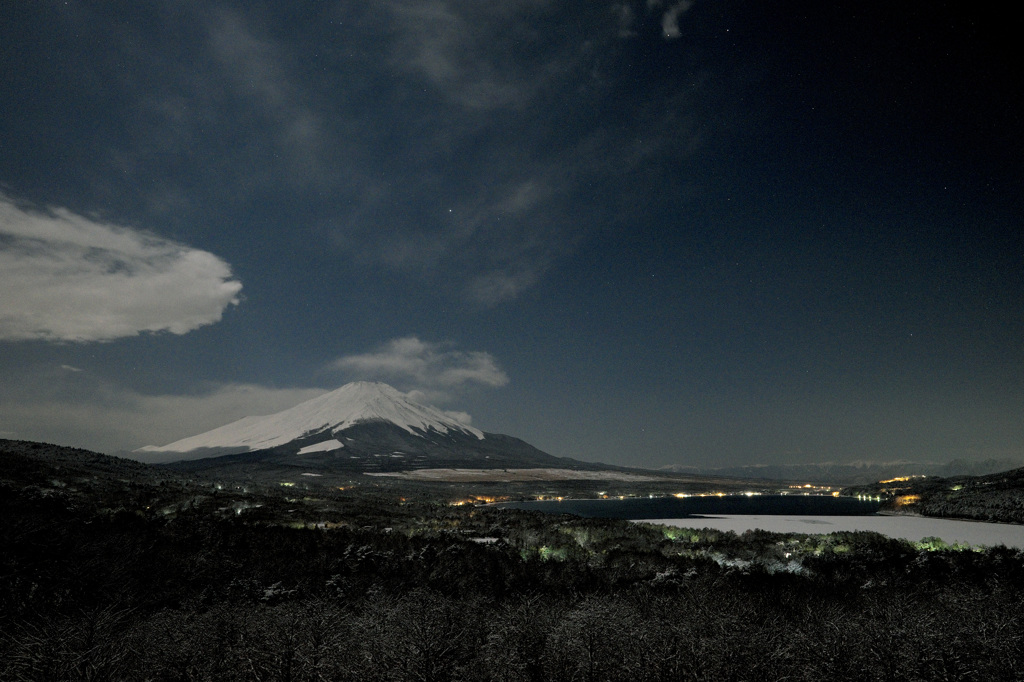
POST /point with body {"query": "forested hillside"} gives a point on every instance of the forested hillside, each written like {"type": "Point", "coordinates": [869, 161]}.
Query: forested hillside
{"type": "Point", "coordinates": [995, 497]}
{"type": "Point", "coordinates": [148, 578]}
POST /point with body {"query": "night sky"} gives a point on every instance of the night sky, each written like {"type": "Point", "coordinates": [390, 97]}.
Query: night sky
{"type": "Point", "coordinates": [646, 233]}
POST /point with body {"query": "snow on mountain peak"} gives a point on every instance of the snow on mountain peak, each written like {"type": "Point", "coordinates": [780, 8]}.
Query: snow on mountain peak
{"type": "Point", "coordinates": [360, 401]}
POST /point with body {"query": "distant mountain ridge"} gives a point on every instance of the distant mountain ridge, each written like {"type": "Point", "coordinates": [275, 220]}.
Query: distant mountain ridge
{"type": "Point", "coordinates": [852, 473]}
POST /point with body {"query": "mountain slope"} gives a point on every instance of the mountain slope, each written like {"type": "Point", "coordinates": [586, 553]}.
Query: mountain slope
{"type": "Point", "coordinates": [356, 403]}
{"type": "Point", "coordinates": [359, 427]}
{"type": "Point", "coordinates": [371, 447]}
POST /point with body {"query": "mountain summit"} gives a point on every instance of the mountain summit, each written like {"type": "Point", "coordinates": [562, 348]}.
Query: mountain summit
{"type": "Point", "coordinates": [361, 402]}
{"type": "Point", "coordinates": [361, 426]}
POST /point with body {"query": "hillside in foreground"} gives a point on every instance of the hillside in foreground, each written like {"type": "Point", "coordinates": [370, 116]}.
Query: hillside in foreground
{"type": "Point", "coordinates": [125, 572]}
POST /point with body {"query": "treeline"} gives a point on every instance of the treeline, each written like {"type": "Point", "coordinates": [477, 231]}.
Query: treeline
{"type": "Point", "coordinates": [714, 630]}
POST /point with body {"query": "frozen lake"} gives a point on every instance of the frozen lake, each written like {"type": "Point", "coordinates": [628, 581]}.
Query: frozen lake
{"type": "Point", "coordinates": [914, 528]}
{"type": "Point", "coordinates": [785, 514]}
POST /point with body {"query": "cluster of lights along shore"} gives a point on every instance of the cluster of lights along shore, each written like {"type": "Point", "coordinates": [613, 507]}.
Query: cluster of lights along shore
{"type": "Point", "coordinates": [895, 490]}
{"type": "Point", "coordinates": [806, 489]}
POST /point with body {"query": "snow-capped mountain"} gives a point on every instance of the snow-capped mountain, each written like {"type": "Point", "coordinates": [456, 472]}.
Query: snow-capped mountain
{"type": "Point", "coordinates": [356, 403]}
{"type": "Point", "coordinates": [360, 426]}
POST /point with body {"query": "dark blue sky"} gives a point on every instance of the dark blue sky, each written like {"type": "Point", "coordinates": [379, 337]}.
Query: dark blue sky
{"type": "Point", "coordinates": [646, 233]}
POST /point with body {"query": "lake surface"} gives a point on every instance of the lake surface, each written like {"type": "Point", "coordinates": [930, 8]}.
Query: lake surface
{"type": "Point", "coordinates": [787, 514]}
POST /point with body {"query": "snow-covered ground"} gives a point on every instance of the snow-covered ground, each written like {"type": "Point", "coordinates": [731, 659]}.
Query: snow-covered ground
{"type": "Point", "coordinates": [504, 475]}
{"type": "Point", "coordinates": [325, 446]}
{"type": "Point", "coordinates": [914, 528]}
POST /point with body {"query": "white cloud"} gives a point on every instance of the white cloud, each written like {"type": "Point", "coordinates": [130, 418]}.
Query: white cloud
{"type": "Point", "coordinates": [64, 277]}
{"type": "Point", "coordinates": [429, 371]}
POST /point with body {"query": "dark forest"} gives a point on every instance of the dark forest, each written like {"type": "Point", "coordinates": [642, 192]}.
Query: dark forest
{"type": "Point", "coordinates": [116, 571]}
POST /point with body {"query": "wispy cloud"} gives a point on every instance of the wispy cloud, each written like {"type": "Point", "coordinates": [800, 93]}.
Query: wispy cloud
{"type": "Point", "coordinates": [492, 288]}
{"type": "Point", "coordinates": [431, 371]}
{"type": "Point", "coordinates": [65, 277]}
{"type": "Point", "coordinates": [623, 13]}
{"type": "Point", "coordinates": [476, 52]}
{"type": "Point", "coordinates": [441, 139]}
{"type": "Point", "coordinates": [219, 108]}
{"type": "Point", "coordinates": [498, 241]}
{"type": "Point", "coordinates": [499, 178]}
{"type": "Point", "coordinates": [258, 70]}
{"type": "Point", "coordinates": [670, 17]}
